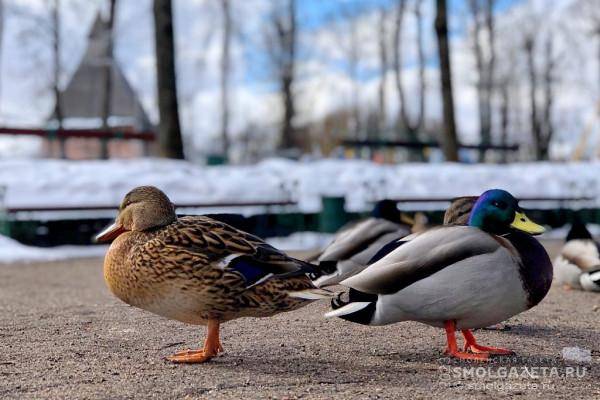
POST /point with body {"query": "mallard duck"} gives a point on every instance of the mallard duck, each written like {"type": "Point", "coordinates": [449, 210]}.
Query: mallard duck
{"type": "Point", "coordinates": [456, 277]}
{"type": "Point", "coordinates": [459, 211]}
{"type": "Point", "coordinates": [361, 243]}
{"type": "Point", "coordinates": [357, 242]}
{"type": "Point", "coordinates": [198, 270]}
{"type": "Point", "coordinates": [578, 264]}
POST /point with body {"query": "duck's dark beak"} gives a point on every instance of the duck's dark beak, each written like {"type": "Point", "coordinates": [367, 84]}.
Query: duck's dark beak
{"type": "Point", "coordinates": [406, 219]}
{"type": "Point", "coordinates": [110, 233]}
{"type": "Point", "coordinates": [523, 223]}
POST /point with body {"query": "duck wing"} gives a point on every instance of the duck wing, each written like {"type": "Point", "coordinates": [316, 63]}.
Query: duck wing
{"type": "Point", "coordinates": [354, 239]}
{"type": "Point", "coordinates": [582, 253]}
{"type": "Point", "coordinates": [424, 255]}
{"type": "Point", "coordinates": [205, 242]}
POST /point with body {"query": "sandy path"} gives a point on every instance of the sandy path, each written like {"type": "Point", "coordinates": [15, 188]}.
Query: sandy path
{"type": "Point", "coordinates": [63, 335]}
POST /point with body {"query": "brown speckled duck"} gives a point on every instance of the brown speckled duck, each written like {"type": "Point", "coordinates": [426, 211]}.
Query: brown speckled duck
{"type": "Point", "coordinates": [198, 270]}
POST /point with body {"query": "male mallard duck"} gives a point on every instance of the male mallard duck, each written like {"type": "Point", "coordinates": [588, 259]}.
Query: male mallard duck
{"type": "Point", "coordinates": [198, 270]}
{"type": "Point", "coordinates": [355, 243]}
{"type": "Point", "coordinates": [361, 243]}
{"type": "Point", "coordinates": [578, 264]}
{"type": "Point", "coordinates": [456, 277]}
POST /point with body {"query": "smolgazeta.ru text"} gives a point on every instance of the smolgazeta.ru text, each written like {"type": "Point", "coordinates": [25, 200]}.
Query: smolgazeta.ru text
{"type": "Point", "coordinates": [522, 372]}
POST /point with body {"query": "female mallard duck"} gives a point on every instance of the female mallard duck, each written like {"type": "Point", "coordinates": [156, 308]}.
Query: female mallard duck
{"type": "Point", "coordinates": [198, 270]}
{"type": "Point", "coordinates": [456, 277]}
{"type": "Point", "coordinates": [361, 243]}
{"type": "Point", "coordinates": [578, 264]}
{"type": "Point", "coordinates": [357, 242]}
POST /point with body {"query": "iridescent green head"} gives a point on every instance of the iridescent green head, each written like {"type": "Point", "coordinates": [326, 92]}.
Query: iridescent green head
{"type": "Point", "coordinates": [497, 211]}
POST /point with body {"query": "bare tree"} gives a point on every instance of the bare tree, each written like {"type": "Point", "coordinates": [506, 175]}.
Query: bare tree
{"type": "Point", "coordinates": [382, 36]}
{"type": "Point", "coordinates": [1, 37]}
{"type": "Point", "coordinates": [506, 83]}
{"type": "Point", "coordinates": [225, 73]}
{"type": "Point", "coordinates": [406, 124]}
{"type": "Point", "coordinates": [449, 139]}
{"type": "Point", "coordinates": [540, 115]}
{"type": "Point", "coordinates": [281, 43]}
{"type": "Point", "coordinates": [108, 68]}
{"type": "Point", "coordinates": [56, 71]}
{"type": "Point", "coordinates": [590, 11]}
{"type": "Point", "coordinates": [350, 15]}
{"type": "Point", "coordinates": [483, 18]}
{"type": "Point", "coordinates": [421, 59]}
{"type": "Point", "coordinates": [171, 144]}
{"type": "Point", "coordinates": [411, 128]}
{"type": "Point", "coordinates": [55, 26]}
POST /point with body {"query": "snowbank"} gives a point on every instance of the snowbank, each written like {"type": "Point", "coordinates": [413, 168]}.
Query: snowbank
{"type": "Point", "coordinates": [301, 241]}
{"type": "Point", "coordinates": [63, 183]}
{"type": "Point", "coordinates": [12, 251]}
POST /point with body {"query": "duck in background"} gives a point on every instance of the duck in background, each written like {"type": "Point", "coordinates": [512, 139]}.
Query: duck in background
{"type": "Point", "coordinates": [198, 270]}
{"type": "Point", "coordinates": [459, 211]}
{"type": "Point", "coordinates": [357, 242]}
{"type": "Point", "coordinates": [363, 242]}
{"type": "Point", "coordinates": [456, 277]}
{"type": "Point", "coordinates": [578, 264]}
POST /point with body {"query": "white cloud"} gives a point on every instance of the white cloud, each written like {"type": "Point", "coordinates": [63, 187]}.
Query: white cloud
{"type": "Point", "coordinates": [324, 84]}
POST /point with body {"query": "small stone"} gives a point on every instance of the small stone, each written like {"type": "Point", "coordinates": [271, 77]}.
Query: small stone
{"type": "Point", "coordinates": [576, 354]}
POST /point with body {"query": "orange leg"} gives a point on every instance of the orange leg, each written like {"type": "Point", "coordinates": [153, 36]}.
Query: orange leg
{"type": "Point", "coordinates": [212, 346]}
{"type": "Point", "coordinates": [452, 349]}
{"type": "Point", "coordinates": [471, 344]}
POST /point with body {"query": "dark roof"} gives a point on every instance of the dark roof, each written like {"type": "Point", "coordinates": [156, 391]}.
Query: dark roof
{"type": "Point", "coordinates": [83, 96]}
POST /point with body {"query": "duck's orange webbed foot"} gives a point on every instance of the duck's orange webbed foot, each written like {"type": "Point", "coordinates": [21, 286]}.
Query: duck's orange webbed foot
{"type": "Point", "coordinates": [212, 347]}
{"type": "Point", "coordinates": [467, 356]}
{"type": "Point", "coordinates": [471, 345]}
{"type": "Point", "coordinates": [452, 349]}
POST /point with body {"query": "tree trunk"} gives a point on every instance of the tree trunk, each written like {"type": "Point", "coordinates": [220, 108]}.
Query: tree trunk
{"type": "Point", "coordinates": [598, 59]}
{"type": "Point", "coordinates": [1, 37]}
{"type": "Point", "coordinates": [225, 74]}
{"type": "Point", "coordinates": [383, 67]}
{"type": "Point", "coordinates": [56, 62]}
{"type": "Point", "coordinates": [533, 80]}
{"type": "Point", "coordinates": [108, 67]}
{"type": "Point", "coordinates": [491, 67]}
{"type": "Point", "coordinates": [285, 26]}
{"type": "Point", "coordinates": [504, 117]}
{"type": "Point", "coordinates": [56, 45]}
{"type": "Point", "coordinates": [485, 68]}
{"type": "Point", "coordinates": [353, 66]}
{"type": "Point", "coordinates": [449, 139]}
{"type": "Point", "coordinates": [421, 57]}
{"type": "Point", "coordinates": [403, 118]}
{"type": "Point", "coordinates": [548, 126]}
{"type": "Point", "coordinates": [170, 141]}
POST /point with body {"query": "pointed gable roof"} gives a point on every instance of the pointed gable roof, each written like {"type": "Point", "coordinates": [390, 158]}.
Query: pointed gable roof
{"type": "Point", "coordinates": [84, 95]}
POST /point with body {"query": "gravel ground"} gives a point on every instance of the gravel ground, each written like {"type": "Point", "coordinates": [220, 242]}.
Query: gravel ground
{"type": "Point", "coordinates": [63, 335]}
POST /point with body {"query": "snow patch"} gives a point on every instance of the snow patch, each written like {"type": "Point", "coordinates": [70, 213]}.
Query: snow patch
{"type": "Point", "coordinates": [12, 251]}
{"type": "Point", "coordinates": [44, 182]}
{"type": "Point", "coordinates": [301, 241]}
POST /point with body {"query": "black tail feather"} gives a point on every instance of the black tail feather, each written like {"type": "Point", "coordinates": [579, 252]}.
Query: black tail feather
{"type": "Point", "coordinates": [362, 316]}
{"type": "Point", "coordinates": [323, 268]}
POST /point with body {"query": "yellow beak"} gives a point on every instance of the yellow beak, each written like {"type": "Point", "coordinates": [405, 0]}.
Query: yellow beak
{"type": "Point", "coordinates": [523, 223]}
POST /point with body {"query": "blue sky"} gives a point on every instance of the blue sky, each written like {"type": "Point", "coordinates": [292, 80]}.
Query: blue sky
{"type": "Point", "coordinates": [314, 13]}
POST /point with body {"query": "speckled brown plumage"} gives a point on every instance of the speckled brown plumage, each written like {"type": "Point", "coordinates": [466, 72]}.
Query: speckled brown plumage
{"type": "Point", "coordinates": [198, 270]}
{"type": "Point", "coordinates": [459, 211]}
{"type": "Point", "coordinates": [144, 268]}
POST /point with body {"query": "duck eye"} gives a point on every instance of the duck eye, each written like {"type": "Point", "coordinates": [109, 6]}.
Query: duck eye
{"type": "Point", "coordinates": [499, 204]}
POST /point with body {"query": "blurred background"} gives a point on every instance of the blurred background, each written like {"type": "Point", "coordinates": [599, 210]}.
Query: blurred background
{"type": "Point", "coordinates": [294, 115]}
